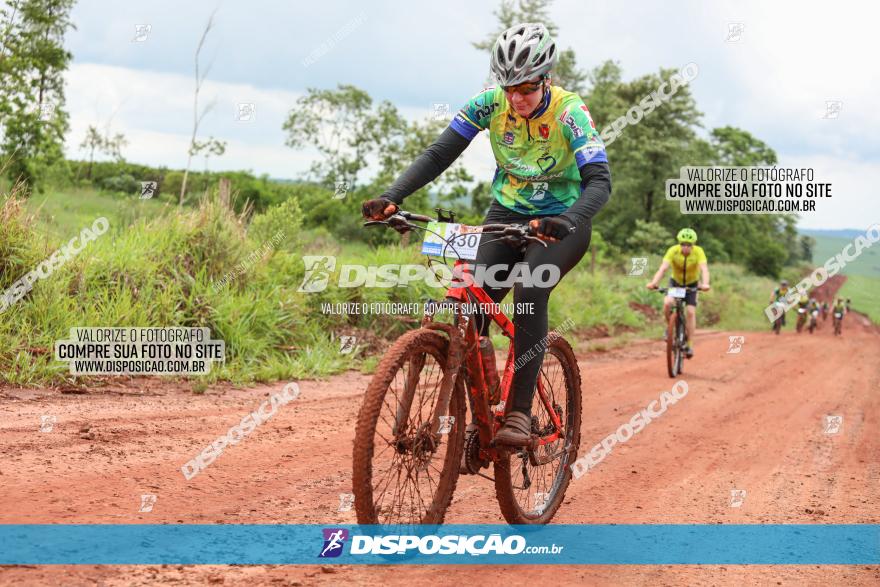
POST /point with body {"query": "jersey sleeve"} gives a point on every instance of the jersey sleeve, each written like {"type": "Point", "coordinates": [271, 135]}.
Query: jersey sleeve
{"type": "Point", "coordinates": [580, 131]}
{"type": "Point", "coordinates": [475, 115]}
{"type": "Point", "coordinates": [670, 254]}
{"type": "Point", "coordinates": [701, 255]}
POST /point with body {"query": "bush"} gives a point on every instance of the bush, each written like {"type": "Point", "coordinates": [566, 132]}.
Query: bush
{"type": "Point", "coordinates": [767, 258]}
{"type": "Point", "coordinates": [125, 184]}
{"type": "Point", "coordinates": [285, 218]}
{"type": "Point", "coordinates": [648, 237]}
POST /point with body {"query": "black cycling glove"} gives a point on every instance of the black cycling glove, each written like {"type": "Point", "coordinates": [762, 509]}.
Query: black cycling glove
{"type": "Point", "coordinates": [557, 227]}
{"type": "Point", "coordinates": [377, 208]}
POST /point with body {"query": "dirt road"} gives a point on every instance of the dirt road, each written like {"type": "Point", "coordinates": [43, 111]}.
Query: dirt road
{"type": "Point", "coordinates": [753, 420]}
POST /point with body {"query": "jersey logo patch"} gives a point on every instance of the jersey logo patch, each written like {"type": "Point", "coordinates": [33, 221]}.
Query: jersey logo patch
{"type": "Point", "coordinates": [486, 110]}
{"type": "Point", "coordinates": [568, 120]}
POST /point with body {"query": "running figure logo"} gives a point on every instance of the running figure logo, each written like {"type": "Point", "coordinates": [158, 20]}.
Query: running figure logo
{"type": "Point", "coordinates": [737, 497]}
{"type": "Point", "coordinates": [47, 422]}
{"type": "Point", "coordinates": [334, 538]}
{"type": "Point", "coordinates": [735, 32]}
{"type": "Point", "coordinates": [833, 424]}
{"type": "Point", "coordinates": [736, 344]}
{"type": "Point", "coordinates": [341, 190]}
{"type": "Point", "coordinates": [446, 423]}
{"type": "Point", "coordinates": [318, 269]}
{"type": "Point", "coordinates": [541, 502]}
{"type": "Point", "coordinates": [148, 500]}
{"type": "Point", "coordinates": [639, 264]}
{"type": "Point", "coordinates": [347, 344]}
{"type": "Point", "coordinates": [346, 500]}
{"type": "Point", "coordinates": [148, 189]}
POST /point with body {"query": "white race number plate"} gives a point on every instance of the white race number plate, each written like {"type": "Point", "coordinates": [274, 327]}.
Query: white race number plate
{"type": "Point", "coordinates": [452, 240]}
{"type": "Point", "coordinates": [676, 292]}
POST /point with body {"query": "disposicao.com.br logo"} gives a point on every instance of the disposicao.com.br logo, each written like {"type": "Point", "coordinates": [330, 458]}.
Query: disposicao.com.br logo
{"type": "Point", "coordinates": [320, 268]}
{"type": "Point", "coordinates": [452, 544]}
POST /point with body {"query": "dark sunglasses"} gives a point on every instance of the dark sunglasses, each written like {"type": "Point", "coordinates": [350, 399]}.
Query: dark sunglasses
{"type": "Point", "coordinates": [525, 88]}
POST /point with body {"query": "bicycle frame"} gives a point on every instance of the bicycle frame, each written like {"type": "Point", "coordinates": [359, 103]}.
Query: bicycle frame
{"type": "Point", "coordinates": [465, 338]}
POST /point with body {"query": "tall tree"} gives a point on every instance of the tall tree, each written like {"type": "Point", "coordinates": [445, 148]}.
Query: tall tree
{"type": "Point", "coordinates": [32, 65]}
{"type": "Point", "coordinates": [566, 73]}
{"type": "Point", "coordinates": [351, 134]}
{"type": "Point", "coordinates": [647, 149]}
{"type": "Point", "coordinates": [736, 147]}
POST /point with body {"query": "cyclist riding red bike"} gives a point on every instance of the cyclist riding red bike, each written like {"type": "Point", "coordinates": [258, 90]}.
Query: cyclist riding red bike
{"type": "Point", "coordinates": [552, 174]}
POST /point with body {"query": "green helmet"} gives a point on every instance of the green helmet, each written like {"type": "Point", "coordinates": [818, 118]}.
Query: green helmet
{"type": "Point", "coordinates": [687, 235]}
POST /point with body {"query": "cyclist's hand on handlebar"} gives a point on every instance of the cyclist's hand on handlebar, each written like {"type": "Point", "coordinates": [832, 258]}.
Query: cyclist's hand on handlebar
{"type": "Point", "coordinates": [705, 287]}
{"type": "Point", "coordinates": [651, 285]}
{"type": "Point", "coordinates": [378, 209]}
{"type": "Point", "coordinates": [553, 228]}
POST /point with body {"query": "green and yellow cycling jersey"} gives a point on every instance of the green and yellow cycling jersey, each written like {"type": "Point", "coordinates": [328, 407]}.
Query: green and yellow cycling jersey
{"type": "Point", "coordinates": [779, 293]}
{"type": "Point", "coordinates": [685, 269]}
{"type": "Point", "coordinates": [538, 159]}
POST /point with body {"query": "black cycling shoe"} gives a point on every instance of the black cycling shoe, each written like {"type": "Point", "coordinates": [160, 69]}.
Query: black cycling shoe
{"type": "Point", "coordinates": [688, 352]}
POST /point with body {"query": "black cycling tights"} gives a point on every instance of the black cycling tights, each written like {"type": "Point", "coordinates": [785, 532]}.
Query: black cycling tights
{"type": "Point", "coordinates": [529, 328]}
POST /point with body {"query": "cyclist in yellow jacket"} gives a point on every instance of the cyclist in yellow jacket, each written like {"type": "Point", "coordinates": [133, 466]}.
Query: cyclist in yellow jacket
{"type": "Point", "coordinates": [689, 269]}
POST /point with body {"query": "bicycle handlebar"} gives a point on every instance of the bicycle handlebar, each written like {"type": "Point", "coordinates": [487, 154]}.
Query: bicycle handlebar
{"type": "Point", "coordinates": [403, 221]}
{"type": "Point", "coordinates": [665, 289]}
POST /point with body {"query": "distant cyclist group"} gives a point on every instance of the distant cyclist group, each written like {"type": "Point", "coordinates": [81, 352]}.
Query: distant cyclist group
{"type": "Point", "coordinates": [809, 310]}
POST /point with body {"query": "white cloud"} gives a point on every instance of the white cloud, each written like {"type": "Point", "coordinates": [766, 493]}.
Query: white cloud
{"type": "Point", "coordinates": [155, 112]}
{"type": "Point", "coordinates": [851, 205]}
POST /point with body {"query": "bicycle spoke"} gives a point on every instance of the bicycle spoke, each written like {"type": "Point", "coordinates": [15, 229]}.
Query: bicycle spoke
{"type": "Point", "coordinates": [403, 483]}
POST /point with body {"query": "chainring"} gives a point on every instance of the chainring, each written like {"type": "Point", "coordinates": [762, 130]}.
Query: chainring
{"type": "Point", "coordinates": [472, 459]}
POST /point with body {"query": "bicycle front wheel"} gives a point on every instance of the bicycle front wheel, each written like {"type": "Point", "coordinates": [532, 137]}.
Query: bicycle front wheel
{"type": "Point", "coordinates": [403, 472]}
{"type": "Point", "coordinates": [672, 350]}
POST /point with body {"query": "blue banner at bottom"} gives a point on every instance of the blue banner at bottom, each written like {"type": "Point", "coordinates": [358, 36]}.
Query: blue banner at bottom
{"type": "Point", "coordinates": [636, 544]}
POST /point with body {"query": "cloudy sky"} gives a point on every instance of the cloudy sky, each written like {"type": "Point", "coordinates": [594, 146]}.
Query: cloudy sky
{"type": "Point", "coordinates": [773, 78]}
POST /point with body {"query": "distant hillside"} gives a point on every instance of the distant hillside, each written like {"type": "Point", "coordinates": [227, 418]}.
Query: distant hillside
{"type": "Point", "coordinates": [832, 242]}
{"type": "Point", "coordinates": [847, 233]}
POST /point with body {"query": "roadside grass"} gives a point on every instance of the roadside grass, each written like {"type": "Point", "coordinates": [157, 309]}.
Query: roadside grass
{"type": "Point", "coordinates": [864, 291]}
{"type": "Point", "coordinates": [61, 214]}
{"type": "Point", "coordinates": [161, 267]}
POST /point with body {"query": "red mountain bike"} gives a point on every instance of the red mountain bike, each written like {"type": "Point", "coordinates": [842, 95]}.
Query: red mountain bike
{"type": "Point", "coordinates": [411, 443]}
{"type": "Point", "coordinates": [676, 330]}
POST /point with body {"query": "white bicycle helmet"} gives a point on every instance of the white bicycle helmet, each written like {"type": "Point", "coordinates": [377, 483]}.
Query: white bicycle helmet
{"type": "Point", "coordinates": [522, 53]}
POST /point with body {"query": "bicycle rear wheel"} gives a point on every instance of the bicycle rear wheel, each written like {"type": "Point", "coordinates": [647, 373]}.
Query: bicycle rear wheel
{"type": "Point", "coordinates": [402, 472]}
{"type": "Point", "coordinates": [530, 493]}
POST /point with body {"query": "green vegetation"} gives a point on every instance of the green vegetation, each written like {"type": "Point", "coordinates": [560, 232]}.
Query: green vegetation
{"type": "Point", "coordinates": [864, 291]}
{"type": "Point", "coordinates": [160, 265]}
{"type": "Point", "coordinates": [194, 264]}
